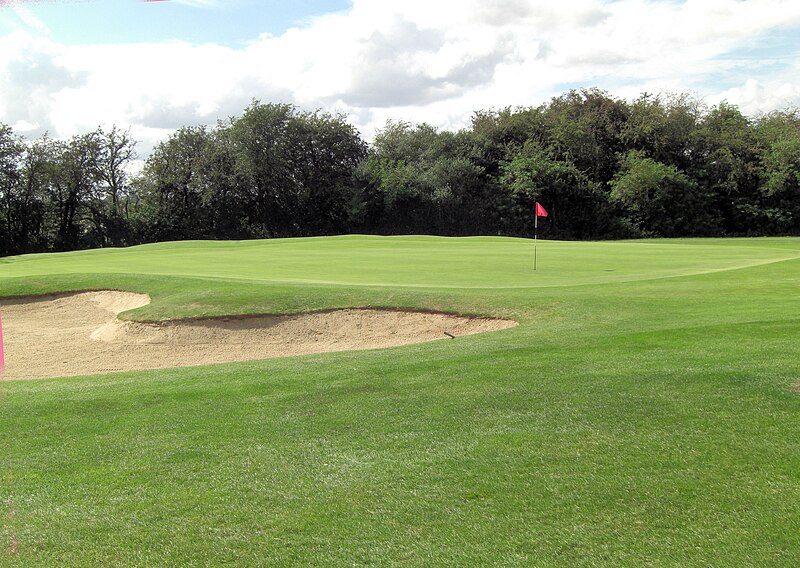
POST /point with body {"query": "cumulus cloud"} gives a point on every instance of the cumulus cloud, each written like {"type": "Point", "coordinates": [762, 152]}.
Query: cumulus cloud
{"type": "Point", "coordinates": [755, 97]}
{"type": "Point", "coordinates": [414, 60]}
{"type": "Point", "coordinates": [31, 76]}
{"type": "Point", "coordinates": [411, 66]}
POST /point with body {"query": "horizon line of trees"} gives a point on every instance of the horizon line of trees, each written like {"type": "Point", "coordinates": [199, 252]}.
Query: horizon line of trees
{"type": "Point", "coordinates": [659, 166]}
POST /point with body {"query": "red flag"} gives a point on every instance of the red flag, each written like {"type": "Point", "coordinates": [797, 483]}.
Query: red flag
{"type": "Point", "coordinates": [540, 212]}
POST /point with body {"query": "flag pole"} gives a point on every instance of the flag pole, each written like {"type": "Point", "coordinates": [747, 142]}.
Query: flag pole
{"type": "Point", "coordinates": [538, 211]}
{"type": "Point", "coordinates": [535, 236]}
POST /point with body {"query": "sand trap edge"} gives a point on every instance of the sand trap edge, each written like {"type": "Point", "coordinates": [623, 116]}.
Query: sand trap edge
{"type": "Point", "coordinates": [133, 345]}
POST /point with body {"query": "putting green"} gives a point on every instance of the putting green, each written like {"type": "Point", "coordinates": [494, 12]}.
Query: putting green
{"type": "Point", "coordinates": [416, 261]}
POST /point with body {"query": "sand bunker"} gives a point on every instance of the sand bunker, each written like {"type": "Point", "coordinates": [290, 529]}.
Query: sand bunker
{"type": "Point", "coordinates": [79, 334]}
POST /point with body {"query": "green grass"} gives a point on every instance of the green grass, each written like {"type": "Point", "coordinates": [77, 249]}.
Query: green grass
{"type": "Point", "coordinates": [641, 414]}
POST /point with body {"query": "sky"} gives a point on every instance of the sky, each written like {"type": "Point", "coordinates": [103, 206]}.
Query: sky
{"type": "Point", "coordinates": [69, 66]}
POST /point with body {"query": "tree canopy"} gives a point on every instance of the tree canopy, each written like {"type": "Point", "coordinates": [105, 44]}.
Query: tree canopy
{"type": "Point", "coordinates": [660, 165]}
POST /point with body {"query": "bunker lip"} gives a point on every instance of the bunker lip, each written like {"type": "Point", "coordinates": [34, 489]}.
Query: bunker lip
{"type": "Point", "coordinates": [79, 333]}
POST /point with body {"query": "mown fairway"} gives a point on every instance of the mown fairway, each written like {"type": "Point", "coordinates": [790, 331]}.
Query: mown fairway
{"type": "Point", "coordinates": [642, 413]}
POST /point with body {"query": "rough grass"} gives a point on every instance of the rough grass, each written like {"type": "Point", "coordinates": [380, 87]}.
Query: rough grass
{"type": "Point", "coordinates": [643, 412]}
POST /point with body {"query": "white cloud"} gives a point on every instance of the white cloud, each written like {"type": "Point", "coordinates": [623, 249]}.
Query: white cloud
{"type": "Point", "coordinates": [29, 19]}
{"type": "Point", "coordinates": [754, 97]}
{"type": "Point", "coordinates": [414, 60]}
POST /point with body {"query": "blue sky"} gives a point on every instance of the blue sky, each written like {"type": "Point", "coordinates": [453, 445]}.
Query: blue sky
{"type": "Point", "coordinates": [230, 22]}
{"type": "Point", "coordinates": [68, 66]}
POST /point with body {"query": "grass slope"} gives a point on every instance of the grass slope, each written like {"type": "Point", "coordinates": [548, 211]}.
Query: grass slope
{"type": "Point", "coordinates": [641, 414]}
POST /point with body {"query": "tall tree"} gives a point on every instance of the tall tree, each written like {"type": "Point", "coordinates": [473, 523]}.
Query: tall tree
{"type": "Point", "coordinates": [72, 177]}
{"type": "Point", "coordinates": [725, 165]}
{"type": "Point", "coordinates": [323, 151]}
{"type": "Point", "coordinates": [665, 128]}
{"type": "Point", "coordinates": [171, 190]}
{"type": "Point", "coordinates": [115, 153]}
{"type": "Point", "coordinates": [259, 137]}
{"type": "Point", "coordinates": [29, 213]}
{"type": "Point", "coordinates": [776, 208]}
{"type": "Point", "coordinates": [585, 127]}
{"type": "Point", "coordinates": [221, 187]}
{"type": "Point", "coordinates": [297, 168]}
{"type": "Point", "coordinates": [11, 151]}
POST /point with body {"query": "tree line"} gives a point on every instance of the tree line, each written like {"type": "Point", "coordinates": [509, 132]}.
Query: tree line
{"type": "Point", "coordinates": [658, 166]}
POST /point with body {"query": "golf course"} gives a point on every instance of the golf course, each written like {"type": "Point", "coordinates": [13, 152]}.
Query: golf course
{"type": "Point", "coordinates": [642, 410]}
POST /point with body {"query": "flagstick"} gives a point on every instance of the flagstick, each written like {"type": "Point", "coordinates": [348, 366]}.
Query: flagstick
{"type": "Point", "coordinates": [535, 237]}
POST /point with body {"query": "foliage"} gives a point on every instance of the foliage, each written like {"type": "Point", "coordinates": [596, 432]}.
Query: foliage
{"type": "Point", "coordinates": [423, 180]}
{"type": "Point", "coordinates": [660, 165]}
{"type": "Point", "coordinates": [575, 203]}
{"type": "Point", "coordinates": [657, 198]}
{"type": "Point", "coordinates": [778, 172]}
{"type": "Point", "coordinates": [296, 169]}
